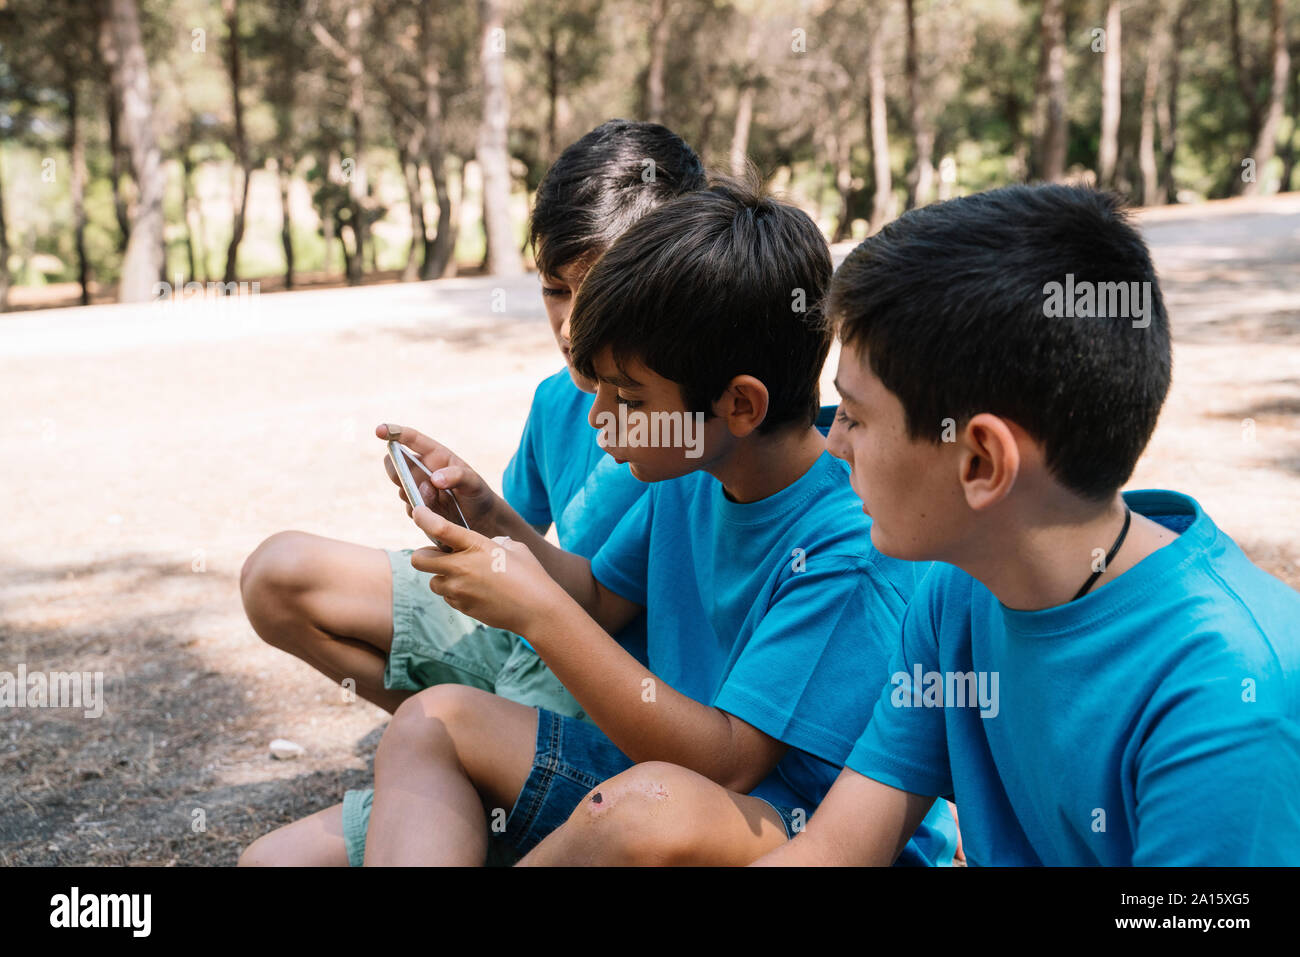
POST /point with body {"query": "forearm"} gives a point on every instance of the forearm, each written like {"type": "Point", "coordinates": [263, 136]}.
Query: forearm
{"type": "Point", "coordinates": [641, 714]}
{"type": "Point", "coordinates": [804, 850]}
{"type": "Point", "coordinates": [571, 572]}
{"type": "Point", "coordinates": [861, 822]}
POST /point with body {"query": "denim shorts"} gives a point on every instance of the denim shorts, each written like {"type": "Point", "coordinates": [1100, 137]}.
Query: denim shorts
{"type": "Point", "coordinates": [571, 758]}
{"type": "Point", "coordinates": [433, 644]}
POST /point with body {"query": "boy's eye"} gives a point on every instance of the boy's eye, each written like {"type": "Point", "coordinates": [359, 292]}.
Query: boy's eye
{"type": "Point", "coordinates": [849, 424]}
{"type": "Point", "coordinates": [624, 400]}
{"type": "Point", "coordinates": [559, 292]}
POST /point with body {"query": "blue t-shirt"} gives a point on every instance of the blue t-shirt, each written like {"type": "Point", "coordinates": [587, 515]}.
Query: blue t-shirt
{"type": "Point", "coordinates": [560, 475]}
{"type": "Point", "coordinates": [779, 612]}
{"type": "Point", "coordinates": [1155, 721]}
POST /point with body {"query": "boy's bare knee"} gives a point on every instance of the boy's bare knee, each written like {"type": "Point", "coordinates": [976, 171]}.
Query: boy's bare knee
{"type": "Point", "coordinates": [273, 576]}
{"type": "Point", "coordinates": [637, 817]}
{"type": "Point", "coordinates": [255, 855]}
{"type": "Point", "coordinates": [427, 721]}
{"type": "Point", "coordinates": [274, 565]}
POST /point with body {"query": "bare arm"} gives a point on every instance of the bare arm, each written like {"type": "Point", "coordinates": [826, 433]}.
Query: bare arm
{"type": "Point", "coordinates": [861, 822]}
{"type": "Point", "coordinates": [505, 586]}
{"type": "Point", "coordinates": [642, 714]}
{"type": "Point", "coordinates": [491, 515]}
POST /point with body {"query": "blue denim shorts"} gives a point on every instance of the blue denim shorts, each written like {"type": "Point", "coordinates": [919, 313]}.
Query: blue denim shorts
{"type": "Point", "coordinates": [572, 757]}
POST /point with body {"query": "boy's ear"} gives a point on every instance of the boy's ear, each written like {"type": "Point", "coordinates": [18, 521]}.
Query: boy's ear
{"type": "Point", "coordinates": [989, 462]}
{"type": "Point", "coordinates": [743, 404]}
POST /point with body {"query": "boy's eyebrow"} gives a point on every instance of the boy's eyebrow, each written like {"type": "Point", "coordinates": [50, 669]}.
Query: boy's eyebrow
{"type": "Point", "coordinates": [620, 381]}
{"type": "Point", "coordinates": [845, 396]}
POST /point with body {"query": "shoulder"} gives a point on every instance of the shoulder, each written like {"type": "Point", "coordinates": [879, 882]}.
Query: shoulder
{"type": "Point", "coordinates": [1227, 607]}
{"type": "Point", "coordinates": [556, 391]}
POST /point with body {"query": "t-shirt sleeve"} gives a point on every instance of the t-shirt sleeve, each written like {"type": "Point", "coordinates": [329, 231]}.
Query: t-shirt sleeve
{"type": "Point", "coordinates": [623, 563]}
{"type": "Point", "coordinates": [523, 484]}
{"type": "Point", "coordinates": [906, 746]}
{"type": "Point", "coordinates": [790, 679]}
{"type": "Point", "coordinates": [1218, 781]}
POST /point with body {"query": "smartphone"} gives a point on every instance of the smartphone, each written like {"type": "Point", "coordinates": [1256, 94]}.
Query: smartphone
{"type": "Point", "coordinates": [399, 454]}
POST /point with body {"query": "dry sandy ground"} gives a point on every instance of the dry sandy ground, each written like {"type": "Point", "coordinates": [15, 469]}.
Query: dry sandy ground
{"type": "Point", "coordinates": [147, 450]}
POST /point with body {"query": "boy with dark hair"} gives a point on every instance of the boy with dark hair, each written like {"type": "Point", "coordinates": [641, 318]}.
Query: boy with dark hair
{"type": "Point", "coordinates": [1094, 677]}
{"type": "Point", "coordinates": [366, 613]}
{"type": "Point", "coordinates": [704, 331]}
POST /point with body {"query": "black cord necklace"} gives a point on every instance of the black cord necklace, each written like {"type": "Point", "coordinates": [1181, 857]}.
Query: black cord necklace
{"type": "Point", "coordinates": [1128, 517]}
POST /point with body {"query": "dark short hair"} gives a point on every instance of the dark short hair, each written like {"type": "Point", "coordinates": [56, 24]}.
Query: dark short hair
{"type": "Point", "coordinates": [603, 183]}
{"type": "Point", "coordinates": [949, 302]}
{"type": "Point", "coordinates": [718, 283]}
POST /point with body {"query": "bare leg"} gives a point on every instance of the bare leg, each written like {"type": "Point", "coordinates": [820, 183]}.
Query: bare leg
{"type": "Point", "coordinates": [659, 813]}
{"type": "Point", "coordinates": [449, 755]}
{"type": "Point", "coordinates": [315, 841]}
{"type": "Point", "coordinates": [327, 602]}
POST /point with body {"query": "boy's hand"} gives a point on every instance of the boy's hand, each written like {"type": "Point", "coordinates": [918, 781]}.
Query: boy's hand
{"type": "Point", "coordinates": [494, 580]}
{"type": "Point", "coordinates": [476, 498]}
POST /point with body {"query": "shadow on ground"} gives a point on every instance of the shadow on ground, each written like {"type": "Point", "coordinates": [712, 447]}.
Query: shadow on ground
{"type": "Point", "coordinates": [141, 783]}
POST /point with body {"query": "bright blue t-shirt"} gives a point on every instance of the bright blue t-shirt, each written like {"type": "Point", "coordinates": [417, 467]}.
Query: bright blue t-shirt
{"type": "Point", "coordinates": [560, 475]}
{"type": "Point", "coordinates": [779, 612]}
{"type": "Point", "coordinates": [1155, 721]}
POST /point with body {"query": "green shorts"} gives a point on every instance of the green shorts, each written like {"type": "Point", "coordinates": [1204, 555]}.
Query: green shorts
{"type": "Point", "coordinates": [435, 644]}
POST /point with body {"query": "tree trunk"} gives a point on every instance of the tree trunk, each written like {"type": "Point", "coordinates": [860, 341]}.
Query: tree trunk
{"type": "Point", "coordinates": [745, 105]}
{"type": "Point", "coordinates": [502, 253]}
{"type": "Point", "coordinates": [1051, 117]}
{"type": "Point", "coordinates": [739, 155]}
{"type": "Point", "coordinates": [1112, 79]}
{"type": "Point", "coordinates": [77, 187]}
{"type": "Point", "coordinates": [1152, 112]}
{"type": "Point", "coordinates": [145, 257]}
{"type": "Point", "coordinates": [551, 133]}
{"type": "Point", "coordinates": [660, 31]}
{"type": "Point", "coordinates": [1147, 137]}
{"type": "Point", "coordinates": [708, 114]}
{"type": "Point", "coordinates": [115, 154]}
{"type": "Point", "coordinates": [356, 179]}
{"type": "Point", "coordinates": [840, 149]}
{"type": "Point", "coordinates": [438, 250]}
{"type": "Point", "coordinates": [284, 170]}
{"type": "Point", "coordinates": [882, 201]}
{"type": "Point", "coordinates": [4, 250]}
{"type": "Point", "coordinates": [1245, 76]}
{"type": "Point", "coordinates": [230, 9]}
{"type": "Point", "coordinates": [196, 229]}
{"type": "Point", "coordinates": [187, 205]}
{"type": "Point", "coordinates": [920, 179]}
{"type": "Point", "coordinates": [1265, 147]}
{"type": "Point", "coordinates": [407, 145]}
{"type": "Point", "coordinates": [1169, 117]}
{"type": "Point", "coordinates": [1288, 151]}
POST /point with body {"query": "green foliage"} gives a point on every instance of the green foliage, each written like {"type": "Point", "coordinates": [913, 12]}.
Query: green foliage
{"type": "Point", "coordinates": [570, 65]}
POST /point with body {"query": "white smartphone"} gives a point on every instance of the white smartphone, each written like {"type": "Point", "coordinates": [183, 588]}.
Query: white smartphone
{"type": "Point", "coordinates": [398, 454]}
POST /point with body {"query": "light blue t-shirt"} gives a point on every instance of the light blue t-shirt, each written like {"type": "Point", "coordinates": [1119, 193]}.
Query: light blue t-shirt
{"type": "Point", "coordinates": [560, 475]}
{"type": "Point", "coordinates": [779, 612]}
{"type": "Point", "coordinates": [1155, 721]}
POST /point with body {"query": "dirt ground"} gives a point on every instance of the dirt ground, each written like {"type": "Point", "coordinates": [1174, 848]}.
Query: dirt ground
{"type": "Point", "coordinates": [148, 450]}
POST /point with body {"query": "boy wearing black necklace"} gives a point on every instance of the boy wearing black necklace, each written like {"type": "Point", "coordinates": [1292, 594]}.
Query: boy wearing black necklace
{"type": "Point", "coordinates": [1149, 717]}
